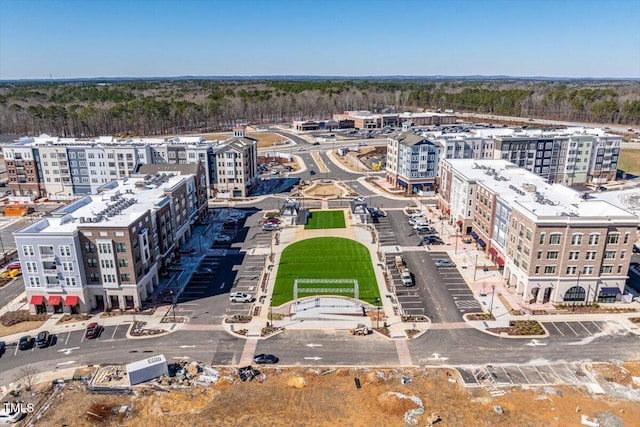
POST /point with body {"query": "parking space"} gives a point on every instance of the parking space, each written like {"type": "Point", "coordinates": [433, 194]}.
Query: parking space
{"type": "Point", "coordinates": [451, 280]}
{"type": "Point", "coordinates": [516, 375]}
{"type": "Point", "coordinates": [575, 329]}
{"type": "Point", "coordinates": [409, 298]}
{"type": "Point", "coordinates": [386, 234]}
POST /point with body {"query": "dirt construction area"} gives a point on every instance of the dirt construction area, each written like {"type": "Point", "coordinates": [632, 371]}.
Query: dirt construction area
{"type": "Point", "coordinates": [349, 397]}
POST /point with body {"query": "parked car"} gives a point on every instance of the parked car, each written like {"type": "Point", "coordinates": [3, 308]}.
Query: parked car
{"type": "Point", "coordinates": [223, 238]}
{"type": "Point", "coordinates": [444, 263]}
{"type": "Point", "coordinates": [93, 331]}
{"type": "Point", "coordinates": [43, 339]}
{"type": "Point", "coordinates": [240, 297]}
{"type": "Point", "coordinates": [636, 249]}
{"type": "Point", "coordinates": [25, 343]}
{"type": "Point", "coordinates": [230, 224]}
{"type": "Point", "coordinates": [416, 215]}
{"type": "Point", "coordinates": [3, 346]}
{"type": "Point", "coordinates": [265, 359]}
{"type": "Point", "coordinates": [272, 220]}
{"type": "Point", "coordinates": [312, 172]}
{"type": "Point", "coordinates": [14, 266]}
{"type": "Point", "coordinates": [432, 240]}
{"type": "Point", "coordinates": [10, 417]}
{"type": "Point", "coordinates": [269, 227]}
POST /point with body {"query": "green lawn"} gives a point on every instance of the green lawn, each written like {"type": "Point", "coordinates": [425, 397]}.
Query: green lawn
{"type": "Point", "coordinates": [325, 258]}
{"type": "Point", "coordinates": [325, 219]}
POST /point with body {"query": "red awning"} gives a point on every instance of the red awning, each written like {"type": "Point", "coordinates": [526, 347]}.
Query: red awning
{"type": "Point", "coordinates": [71, 300]}
{"type": "Point", "coordinates": [500, 261]}
{"type": "Point", "coordinates": [54, 299]}
{"type": "Point", "coordinates": [493, 251]}
{"type": "Point", "coordinates": [36, 299]}
{"type": "Point", "coordinates": [459, 223]}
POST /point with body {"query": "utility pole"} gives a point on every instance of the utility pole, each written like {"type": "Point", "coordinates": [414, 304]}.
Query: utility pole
{"type": "Point", "coordinates": [475, 268]}
{"type": "Point", "coordinates": [493, 290]}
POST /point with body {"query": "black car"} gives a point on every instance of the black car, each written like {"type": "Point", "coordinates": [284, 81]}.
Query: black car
{"type": "Point", "coordinates": [43, 339]}
{"type": "Point", "coordinates": [2, 347]}
{"type": "Point", "coordinates": [25, 342]}
{"type": "Point", "coordinates": [265, 359]}
{"type": "Point", "coordinates": [432, 240]}
{"type": "Point", "coordinates": [312, 172]}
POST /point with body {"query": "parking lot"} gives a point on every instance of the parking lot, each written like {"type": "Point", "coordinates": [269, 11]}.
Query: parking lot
{"type": "Point", "coordinates": [451, 280]}
{"type": "Point", "coordinates": [409, 298]}
{"type": "Point", "coordinates": [517, 375]}
{"type": "Point", "coordinates": [577, 329]}
{"type": "Point", "coordinates": [386, 234]}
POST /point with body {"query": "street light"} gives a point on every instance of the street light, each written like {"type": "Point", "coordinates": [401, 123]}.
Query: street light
{"type": "Point", "coordinates": [378, 314]}
{"type": "Point", "coordinates": [493, 290]}
{"type": "Point", "coordinates": [173, 306]}
{"type": "Point", "coordinates": [475, 268]}
{"type": "Point", "coordinates": [270, 312]}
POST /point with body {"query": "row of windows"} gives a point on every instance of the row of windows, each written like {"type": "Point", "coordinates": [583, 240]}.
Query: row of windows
{"type": "Point", "coordinates": [573, 270]}
{"type": "Point", "coordinates": [63, 250]}
{"type": "Point", "coordinates": [34, 282]}
{"type": "Point", "coordinates": [577, 238]}
{"type": "Point", "coordinates": [575, 255]}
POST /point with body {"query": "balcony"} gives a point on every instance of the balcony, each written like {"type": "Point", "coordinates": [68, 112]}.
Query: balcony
{"type": "Point", "coordinates": [50, 272]}
{"type": "Point", "coordinates": [47, 256]}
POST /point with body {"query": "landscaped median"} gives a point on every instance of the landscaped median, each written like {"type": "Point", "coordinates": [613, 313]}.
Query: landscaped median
{"type": "Point", "coordinates": [507, 328]}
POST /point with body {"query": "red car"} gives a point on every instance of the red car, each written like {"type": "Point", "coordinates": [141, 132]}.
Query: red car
{"type": "Point", "coordinates": [14, 266]}
{"type": "Point", "coordinates": [93, 331]}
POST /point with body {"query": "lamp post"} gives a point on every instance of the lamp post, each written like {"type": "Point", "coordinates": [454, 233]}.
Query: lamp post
{"type": "Point", "coordinates": [173, 306]}
{"type": "Point", "coordinates": [475, 268]}
{"type": "Point", "coordinates": [378, 313]}
{"type": "Point", "coordinates": [270, 312]}
{"type": "Point", "coordinates": [493, 290]}
{"type": "Point", "coordinates": [456, 249]}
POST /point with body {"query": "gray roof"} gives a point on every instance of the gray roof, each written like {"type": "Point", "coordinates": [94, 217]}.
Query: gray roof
{"type": "Point", "coordinates": [188, 169]}
{"type": "Point", "coordinates": [410, 138]}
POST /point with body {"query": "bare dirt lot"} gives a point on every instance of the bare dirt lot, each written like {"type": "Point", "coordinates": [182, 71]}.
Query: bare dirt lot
{"type": "Point", "coordinates": [316, 397]}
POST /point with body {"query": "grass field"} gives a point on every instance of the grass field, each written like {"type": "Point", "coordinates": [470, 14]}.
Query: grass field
{"type": "Point", "coordinates": [325, 258]}
{"type": "Point", "coordinates": [629, 161]}
{"type": "Point", "coordinates": [325, 219]}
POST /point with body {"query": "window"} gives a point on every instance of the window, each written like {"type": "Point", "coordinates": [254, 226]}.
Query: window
{"type": "Point", "coordinates": [94, 277]}
{"type": "Point", "coordinates": [528, 235]}
{"type": "Point", "coordinates": [573, 255]}
{"type": "Point", "coordinates": [27, 250]}
{"type": "Point", "coordinates": [89, 247]}
{"type": "Point", "coordinates": [594, 238]}
{"type": "Point", "coordinates": [622, 254]}
{"type": "Point", "coordinates": [67, 266]}
{"type": "Point", "coordinates": [607, 269]}
{"type": "Point", "coordinates": [613, 238]}
{"type": "Point", "coordinates": [109, 278]}
{"type": "Point", "coordinates": [539, 254]}
{"type": "Point", "coordinates": [550, 269]}
{"type": "Point", "coordinates": [576, 239]}
{"type": "Point", "coordinates": [70, 281]}
{"type": "Point", "coordinates": [106, 263]}
{"type": "Point", "coordinates": [65, 250]}
{"type": "Point", "coordinates": [591, 255]}
{"type": "Point", "coordinates": [92, 262]}
{"type": "Point", "coordinates": [554, 239]}
{"type": "Point", "coordinates": [626, 238]}
{"type": "Point", "coordinates": [32, 267]}
{"type": "Point", "coordinates": [104, 248]}
{"type": "Point", "coordinates": [125, 277]}
{"type": "Point", "coordinates": [571, 270]}
{"type": "Point", "coordinates": [34, 282]}
{"type": "Point", "coordinates": [587, 270]}
{"type": "Point", "coordinates": [123, 262]}
{"type": "Point", "coordinates": [619, 269]}
{"type": "Point", "coordinates": [121, 247]}
{"type": "Point", "coordinates": [542, 236]}
{"type": "Point", "coordinates": [552, 255]}
{"type": "Point", "coordinates": [609, 254]}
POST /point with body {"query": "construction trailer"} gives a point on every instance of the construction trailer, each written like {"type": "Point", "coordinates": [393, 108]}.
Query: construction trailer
{"type": "Point", "coordinates": [147, 369]}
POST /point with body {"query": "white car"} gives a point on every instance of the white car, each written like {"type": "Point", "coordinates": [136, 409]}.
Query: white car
{"type": "Point", "coordinates": [223, 238]}
{"type": "Point", "coordinates": [416, 215]}
{"type": "Point", "coordinates": [240, 297]}
{"type": "Point", "coordinates": [9, 417]}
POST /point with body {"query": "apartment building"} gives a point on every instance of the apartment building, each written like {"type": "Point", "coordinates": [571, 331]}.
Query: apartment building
{"type": "Point", "coordinates": [366, 120]}
{"type": "Point", "coordinates": [550, 242]}
{"type": "Point", "coordinates": [412, 162]}
{"type": "Point", "coordinates": [65, 168]}
{"type": "Point", "coordinates": [236, 164]}
{"type": "Point", "coordinates": [567, 156]}
{"type": "Point", "coordinates": [106, 251]}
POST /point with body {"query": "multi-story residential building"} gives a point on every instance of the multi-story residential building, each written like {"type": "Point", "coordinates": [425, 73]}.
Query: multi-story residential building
{"type": "Point", "coordinates": [412, 162]}
{"type": "Point", "coordinates": [236, 165]}
{"type": "Point", "coordinates": [105, 251]}
{"type": "Point", "coordinates": [567, 156]}
{"type": "Point", "coordinates": [551, 243]}
{"type": "Point", "coordinates": [65, 168]}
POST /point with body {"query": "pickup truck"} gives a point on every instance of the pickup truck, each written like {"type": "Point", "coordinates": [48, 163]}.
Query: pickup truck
{"type": "Point", "coordinates": [406, 278]}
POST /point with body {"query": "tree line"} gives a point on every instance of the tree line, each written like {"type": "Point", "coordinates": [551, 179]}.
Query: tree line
{"type": "Point", "coordinates": [90, 108]}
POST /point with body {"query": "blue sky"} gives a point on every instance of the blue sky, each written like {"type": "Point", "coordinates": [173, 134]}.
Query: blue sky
{"type": "Point", "coordinates": [138, 38]}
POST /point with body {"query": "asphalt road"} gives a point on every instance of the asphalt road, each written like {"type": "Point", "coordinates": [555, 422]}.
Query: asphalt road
{"type": "Point", "coordinates": [11, 290]}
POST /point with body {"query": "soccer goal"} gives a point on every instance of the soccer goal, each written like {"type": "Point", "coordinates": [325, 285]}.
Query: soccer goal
{"type": "Point", "coordinates": [332, 287]}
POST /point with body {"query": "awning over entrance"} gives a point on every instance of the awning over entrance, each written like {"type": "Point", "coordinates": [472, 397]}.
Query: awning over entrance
{"type": "Point", "coordinates": [481, 243]}
{"type": "Point", "coordinates": [36, 299]}
{"type": "Point", "coordinates": [500, 261]}
{"type": "Point", "coordinates": [493, 252]}
{"type": "Point", "coordinates": [71, 300]}
{"type": "Point", "coordinates": [54, 299]}
{"type": "Point", "coordinates": [459, 223]}
{"type": "Point", "coordinates": [473, 234]}
{"type": "Point", "coordinates": [609, 291]}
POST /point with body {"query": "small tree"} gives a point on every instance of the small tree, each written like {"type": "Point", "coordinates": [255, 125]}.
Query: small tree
{"type": "Point", "coordinates": [27, 376]}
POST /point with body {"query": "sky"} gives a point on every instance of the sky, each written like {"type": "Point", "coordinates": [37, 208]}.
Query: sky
{"type": "Point", "coordinates": [58, 39]}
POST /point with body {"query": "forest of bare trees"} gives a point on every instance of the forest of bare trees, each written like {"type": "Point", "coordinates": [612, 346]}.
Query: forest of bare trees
{"type": "Point", "coordinates": [145, 107]}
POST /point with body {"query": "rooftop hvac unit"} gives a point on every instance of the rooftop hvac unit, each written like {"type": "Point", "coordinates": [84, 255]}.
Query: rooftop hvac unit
{"type": "Point", "coordinates": [81, 220]}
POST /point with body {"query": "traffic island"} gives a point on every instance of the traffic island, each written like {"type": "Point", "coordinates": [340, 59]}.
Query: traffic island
{"type": "Point", "coordinates": [521, 328]}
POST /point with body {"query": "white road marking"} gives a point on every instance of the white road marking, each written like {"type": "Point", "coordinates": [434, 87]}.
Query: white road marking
{"type": "Point", "coordinates": [70, 362]}
{"type": "Point", "coordinates": [314, 345]}
{"type": "Point", "coordinates": [114, 332]}
{"type": "Point", "coordinates": [313, 358]}
{"type": "Point", "coordinates": [67, 340]}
